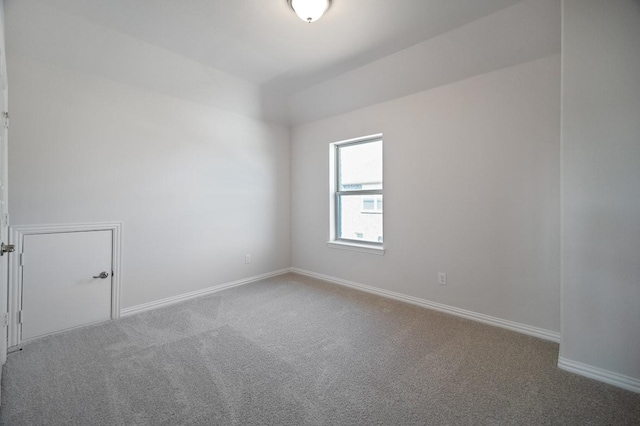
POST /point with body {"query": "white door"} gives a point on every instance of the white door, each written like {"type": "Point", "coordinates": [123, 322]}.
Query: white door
{"type": "Point", "coordinates": [66, 281]}
{"type": "Point", "coordinates": [4, 186]}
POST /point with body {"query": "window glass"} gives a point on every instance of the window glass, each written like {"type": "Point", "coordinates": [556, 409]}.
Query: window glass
{"type": "Point", "coordinates": [360, 166]}
{"type": "Point", "coordinates": [359, 224]}
{"type": "Point", "coordinates": [359, 192]}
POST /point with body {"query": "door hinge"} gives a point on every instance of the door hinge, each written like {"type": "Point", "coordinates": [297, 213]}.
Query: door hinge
{"type": "Point", "coordinates": [20, 317]}
{"type": "Point", "coordinates": [5, 119]}
{"type": "Point", "coordinates": [21, 259]}
{"type": "Point", "coordinates": [5, 320]}
{"type": "Point", "coordinates": [5, 219]}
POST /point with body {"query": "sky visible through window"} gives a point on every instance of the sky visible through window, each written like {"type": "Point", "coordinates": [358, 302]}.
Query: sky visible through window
{"type": "Point", "coordinates": [361, 164]}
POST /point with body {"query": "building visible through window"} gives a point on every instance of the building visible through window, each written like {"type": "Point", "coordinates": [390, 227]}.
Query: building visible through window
{"type": "Point", "coordinates": [372, 205]}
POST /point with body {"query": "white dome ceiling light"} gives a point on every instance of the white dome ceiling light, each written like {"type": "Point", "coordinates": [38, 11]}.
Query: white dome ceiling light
{"type": "Point", "coordinates": [309, 10]}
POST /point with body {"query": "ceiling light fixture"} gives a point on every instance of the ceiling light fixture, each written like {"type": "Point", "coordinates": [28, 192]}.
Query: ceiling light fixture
{"type": "Point", "coordinates": [309, 10]}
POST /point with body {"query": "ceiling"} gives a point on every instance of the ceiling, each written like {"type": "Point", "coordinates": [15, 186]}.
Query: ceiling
{"type": "Point", "coordinates": [264, 42]}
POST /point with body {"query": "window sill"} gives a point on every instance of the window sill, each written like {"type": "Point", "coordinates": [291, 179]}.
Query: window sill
{"type": "Point", "coordinates": [362, 248]}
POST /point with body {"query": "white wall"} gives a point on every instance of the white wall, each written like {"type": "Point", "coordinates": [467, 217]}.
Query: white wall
{"type": "Point", "coordinates": [472, 188]}
{"type": "Point", "coordinates": [40, 31]}
{"type": "Point", "coordinates": [601, 185]}
{"type": "Point", "coordinates": [195, 187]}
{"type": "Point", "coordinates": [523, 32]}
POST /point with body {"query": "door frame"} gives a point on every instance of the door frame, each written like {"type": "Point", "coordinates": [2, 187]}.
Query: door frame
{"type": "Point", "coordinates": [16, 236]}
{"type": "Point", "coordinates": [4, 177]}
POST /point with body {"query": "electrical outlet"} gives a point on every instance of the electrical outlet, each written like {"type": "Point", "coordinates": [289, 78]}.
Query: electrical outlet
{"type": "Point", "coordinates": [442, 278]}
{"type": "Point", "coordinates": [247, 258]}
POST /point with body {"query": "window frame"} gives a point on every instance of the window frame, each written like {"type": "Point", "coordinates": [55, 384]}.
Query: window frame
{"type": "Point", "coordinates": [336, 194]}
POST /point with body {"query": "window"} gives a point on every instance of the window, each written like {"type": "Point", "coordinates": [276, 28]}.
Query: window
{"type": "Point", "coordinates": [372, 205]}
{"type": "Point", "coordinates": [357, 191]}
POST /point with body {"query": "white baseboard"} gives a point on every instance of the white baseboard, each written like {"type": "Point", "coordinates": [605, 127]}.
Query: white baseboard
{"type": "Point", "coordinates": [606, 376]}
{"type": "Point", "coordinates": [198, 293]}
{"type": "Point", "coordinates": [498, 322]}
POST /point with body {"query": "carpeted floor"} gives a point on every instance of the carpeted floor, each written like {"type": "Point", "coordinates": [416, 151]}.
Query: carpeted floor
{"type": "Point", "coordinates": [292, 350]}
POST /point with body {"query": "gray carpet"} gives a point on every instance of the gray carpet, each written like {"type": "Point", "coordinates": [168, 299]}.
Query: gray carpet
{"type": "Point", "coordinates": [292, 350]}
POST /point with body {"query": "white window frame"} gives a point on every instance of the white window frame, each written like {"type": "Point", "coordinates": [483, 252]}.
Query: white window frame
{"type": "Point", "coordinates": [335, 194]}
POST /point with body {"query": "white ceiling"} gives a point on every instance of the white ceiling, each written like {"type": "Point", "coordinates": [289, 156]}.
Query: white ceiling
{"type": "Point", "coordinates": [264, 42]}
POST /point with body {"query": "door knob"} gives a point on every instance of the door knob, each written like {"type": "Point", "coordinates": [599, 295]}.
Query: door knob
{"type": "Point", "coordinates": [102, 275]}
{"type": "Point", "coordinates": [7, 248]}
